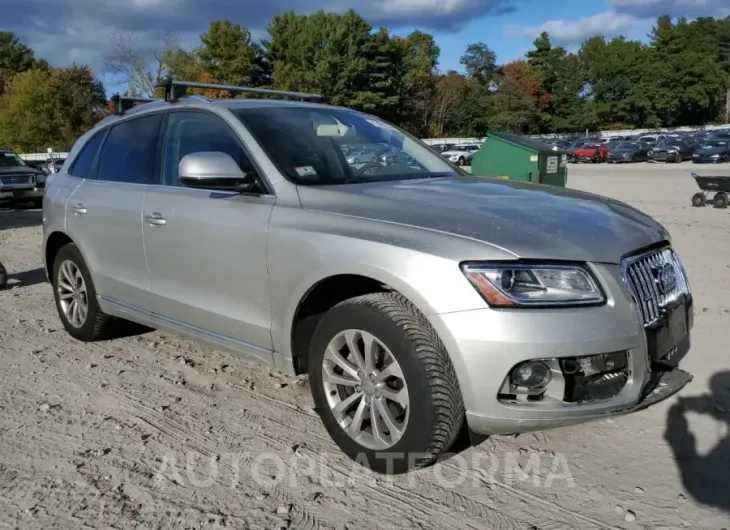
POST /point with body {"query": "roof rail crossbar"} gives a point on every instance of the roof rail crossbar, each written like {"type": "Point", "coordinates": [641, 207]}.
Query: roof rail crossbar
{"type": "Point", "coordinates": [175, 89]}
{"type": "Point", "coordinates": [124, 103]}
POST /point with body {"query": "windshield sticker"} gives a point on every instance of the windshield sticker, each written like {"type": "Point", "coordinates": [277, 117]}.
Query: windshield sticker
{"type": "Point", "coordinates": [305, 171]}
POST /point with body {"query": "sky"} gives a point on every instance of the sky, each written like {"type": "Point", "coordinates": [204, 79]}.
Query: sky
{"type": "Point", "coordinates": [78, 31]}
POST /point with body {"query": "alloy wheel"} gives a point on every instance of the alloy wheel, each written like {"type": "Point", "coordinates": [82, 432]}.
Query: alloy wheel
{"type": "Point", "coordinates": [365, 389]}
{"type": "Point", "coordinates": [72, 293]}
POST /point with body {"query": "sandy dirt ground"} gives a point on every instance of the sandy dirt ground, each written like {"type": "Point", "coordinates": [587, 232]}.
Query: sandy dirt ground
{"type": "Point", "coordinates": [154, 431]}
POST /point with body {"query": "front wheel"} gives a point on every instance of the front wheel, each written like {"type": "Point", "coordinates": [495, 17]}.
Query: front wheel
{"type": "Point", "coordinates": [462, 161]}
{"type": "Point", "coordinates": [384, 384]}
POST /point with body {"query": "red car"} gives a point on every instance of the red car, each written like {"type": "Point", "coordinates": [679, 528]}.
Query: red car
{"type": "Point", "coordinates": [591, 152]}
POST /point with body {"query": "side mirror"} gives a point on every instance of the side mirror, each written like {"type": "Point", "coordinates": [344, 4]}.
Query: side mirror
{"type": "Point", "coordinates": [213, 170]}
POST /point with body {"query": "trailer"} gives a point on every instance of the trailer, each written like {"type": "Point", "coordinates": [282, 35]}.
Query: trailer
{"type": "Point", "coordinates": [718, 186]}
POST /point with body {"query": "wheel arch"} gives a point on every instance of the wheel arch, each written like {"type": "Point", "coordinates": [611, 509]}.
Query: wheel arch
{"type": "Point", "coordinates": [327, 291]}
{"type": "Point", "coordinates": [54, 243]}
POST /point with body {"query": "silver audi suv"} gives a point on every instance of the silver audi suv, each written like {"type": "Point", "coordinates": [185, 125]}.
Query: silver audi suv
{"type": "Point", "coordinates": [421, 301]}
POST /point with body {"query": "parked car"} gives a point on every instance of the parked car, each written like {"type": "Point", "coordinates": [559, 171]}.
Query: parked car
{"type": "Point", "coordinates": [591, 152]}
{"type": "Point", "coordinates": [671, 149]}
{"type": "Point", "coordinates": [628, 152]}
{"type": "Point", "coordinates": [19, 182]}
{"type": "Point", "coordinates": [461, 154]}
{"type": "Point", "coordinates": [418, 299]}
{"type": "Point", "coordinates": [362, 155]}
{"type": "Point", "coordinates": [712, 152]}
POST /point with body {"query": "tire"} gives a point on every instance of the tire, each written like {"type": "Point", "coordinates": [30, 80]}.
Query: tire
{"type": "Point", "coordinates": [720, 200]}
{"type": "Point", "coordinates": [430, 427]}
{"type": "Point", "coordinates": [96, 325]}
{"type": "Point", "coordinates": [37, 203]}
{"type": "Point", "coordinates": [3, 276]}
{"type": "Point", "coordinates": [462, 161]}
{"type": "Point", "coordinates": [698, 200]}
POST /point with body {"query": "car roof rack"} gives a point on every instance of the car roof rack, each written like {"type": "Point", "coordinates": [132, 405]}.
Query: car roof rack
{"type": "Point", "coordinates": [124, 103]}
{"type": "Point", "coordinates": [176, 89]}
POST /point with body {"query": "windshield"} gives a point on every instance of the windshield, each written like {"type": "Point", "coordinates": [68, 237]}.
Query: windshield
{"type": "Point", "coordinates": [10, 160]}
{"type": "Point", "coordinates": [713, 144]}
{"type": "Point", "coordinates": [308, 143]}
{"type": "Point", "coordinates": [627, 145]}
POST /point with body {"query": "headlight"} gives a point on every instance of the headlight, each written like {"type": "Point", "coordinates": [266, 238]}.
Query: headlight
{"type": "Point", "coordinates": [539, 285]}
{"type": "Point", "coordinates": [40, 179]}
{"type": "Point", "coordinates": [715, 156]}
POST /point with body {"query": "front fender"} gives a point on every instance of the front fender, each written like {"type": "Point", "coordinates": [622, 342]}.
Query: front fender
{"type": "Point", "coordinates": [433, 284]}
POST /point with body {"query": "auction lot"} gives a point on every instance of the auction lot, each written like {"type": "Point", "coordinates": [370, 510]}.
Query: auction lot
{"type": "Point", "coordinates": [154, 431]}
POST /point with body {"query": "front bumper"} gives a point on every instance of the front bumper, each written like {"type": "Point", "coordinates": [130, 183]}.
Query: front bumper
{"type": "Point", "coordinates": [709, 160]}
{"type": "Point", "coordinates": [486, 344]}
{"type": "Point", "coordinates": [9, 193]}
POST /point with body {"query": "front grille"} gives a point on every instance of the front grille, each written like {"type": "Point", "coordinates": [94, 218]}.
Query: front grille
{"type": "Point", "coordinates": [655, 280]}
{"type": "Point", "coordinates": [16, 179]}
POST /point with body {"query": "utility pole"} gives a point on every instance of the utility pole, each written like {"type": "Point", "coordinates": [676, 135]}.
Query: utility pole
{"type": "Point", "coordinates": [725, 50]}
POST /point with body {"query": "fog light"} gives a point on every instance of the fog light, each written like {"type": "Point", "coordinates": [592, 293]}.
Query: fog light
{"type": "Point", "coordinates": [531, 375]}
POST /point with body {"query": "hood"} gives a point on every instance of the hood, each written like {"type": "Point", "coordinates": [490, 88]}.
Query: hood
{"type": "Point", "coordinates": [528, 220]}
{"type": "Point", "coordinates": [623, 150]}
{"type": "Point", "coordinates": [19, 170]}
{"type": "Point", "coordinates": [709, 151]}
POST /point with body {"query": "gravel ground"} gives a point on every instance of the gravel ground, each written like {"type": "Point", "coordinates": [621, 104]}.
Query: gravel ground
{"type": "Point", "coordinates": [154, 431]}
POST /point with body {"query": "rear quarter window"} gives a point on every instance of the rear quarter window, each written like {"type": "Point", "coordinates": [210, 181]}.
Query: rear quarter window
{"type": "Point", "coordinates": [83, 166]}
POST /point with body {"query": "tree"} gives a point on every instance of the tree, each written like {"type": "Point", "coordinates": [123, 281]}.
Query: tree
{"type": "Point", "coordinates": [227, 53]}
{"type": "Point", "coordinates": [418, 58]}
{"type": "Point", "coordinates": [50, 108]}
{"type": "Point", "coordinates": [15, 58]}
{"type": "Point", "coordinates": [686, 78]}
{"type": "Point", "coordinates": [518, 102]}
{"type": "Point", "coordinates": [449, 90]}
{"type": "Point", "coordinates": [141, 69]}
{"type": "Point", "coordinates": [480, 62]}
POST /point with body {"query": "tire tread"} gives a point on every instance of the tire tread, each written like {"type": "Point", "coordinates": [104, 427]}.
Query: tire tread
{"type": "Point", "coordinates": [449, 411]}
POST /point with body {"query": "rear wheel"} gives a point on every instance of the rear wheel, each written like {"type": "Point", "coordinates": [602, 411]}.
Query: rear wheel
{"type": "Point", "coordinates": [698, 200]}
{"type": "Point", "coordinates": [384, 384]}
{"type": "Point", "coordinates": [720, 200]}
{"type": "Point", "coordinates": [75, 297]}
{"type": "Point", "coordinates": [3, 276]}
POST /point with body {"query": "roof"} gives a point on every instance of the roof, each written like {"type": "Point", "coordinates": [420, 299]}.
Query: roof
{"type": "Point", "coordinates": [524, 141]}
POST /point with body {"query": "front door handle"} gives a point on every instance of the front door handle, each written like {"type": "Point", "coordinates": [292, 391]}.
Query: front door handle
{"type": "Point", "coordinates": [155, 219]}
{"type": "Point", "coordinates": [78, 208]}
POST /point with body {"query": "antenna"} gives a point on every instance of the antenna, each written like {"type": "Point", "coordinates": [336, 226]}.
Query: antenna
{"type": "Point", "coordinates": [175, 89]}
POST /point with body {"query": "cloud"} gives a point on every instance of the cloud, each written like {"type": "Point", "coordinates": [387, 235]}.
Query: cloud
{"type": "Point", "coordinates": [623, 16]}
{"type": "Point", "coordinates": [607, 23]}
{"type": "Point", "coordinates": [677, 8]}
{"type": "Point", "coordinates": [79, 30]}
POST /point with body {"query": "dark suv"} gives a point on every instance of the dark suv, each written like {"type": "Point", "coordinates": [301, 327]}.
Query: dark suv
{"type": "Point", "coordinates": [20, 182]}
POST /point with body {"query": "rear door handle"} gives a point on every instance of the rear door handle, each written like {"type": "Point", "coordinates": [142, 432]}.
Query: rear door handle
{"type": "Point", "coordinates": [78, 208]}
{"type": "Point", "coordinates": [155, 219]}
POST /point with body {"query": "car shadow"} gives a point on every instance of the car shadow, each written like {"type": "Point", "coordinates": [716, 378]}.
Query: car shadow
{"type": "Point", "coordinates": [705, 477]}
{"type": "Point", "coordinates": [27, 278]}
{"type": "Point", "coordinates": [16, 216]}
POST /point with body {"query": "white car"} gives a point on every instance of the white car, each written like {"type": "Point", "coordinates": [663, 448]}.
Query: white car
{"type": "Point", "coordinates": [461, 154]}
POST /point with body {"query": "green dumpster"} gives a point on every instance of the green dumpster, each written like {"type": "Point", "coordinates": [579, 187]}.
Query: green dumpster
{"type": "Point", "coordinates": [516, 157]}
